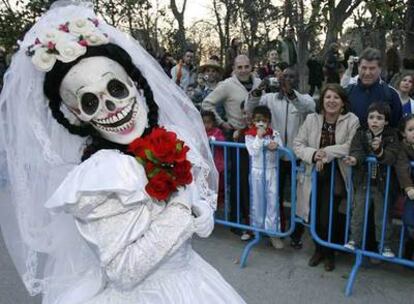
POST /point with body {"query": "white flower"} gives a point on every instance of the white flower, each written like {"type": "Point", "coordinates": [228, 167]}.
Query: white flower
{"type": "Point", "coordinates": [96, 38]}
{"type": "Point", "coordinates": [81, 26]}
{"type": "Point", "coordinates": [43, 60]}
{"type": "Point", "coordinates": [69, 50]}
{"type": "Point", "coordinates": [52, 36]}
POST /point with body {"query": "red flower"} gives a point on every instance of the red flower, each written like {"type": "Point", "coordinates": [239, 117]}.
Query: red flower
{"type": "Point", "coordinates": [182, 173]}
{"type": "Point", "coordinates": [51, 45]}
{"type": "Point", "coordinates": [163, 145]}
{"type": "Point", "coordinates": [161, 186]}
{"type": "Point", "coordinates": [94, 21]}
{"type": "Point", "coordinates": [164, 159]}
{"type": "Point", "coordinates": [181, 152]}
{"type": "Point", "coordinates": [83, 42]}
{"type": "Point", "coordinates": [64, 27]}
{"type": "Point", "coordinates": [138, 146]}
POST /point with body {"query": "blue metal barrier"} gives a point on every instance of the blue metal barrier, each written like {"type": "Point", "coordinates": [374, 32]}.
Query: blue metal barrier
{"type": "Point", "coordinates": [236, 222]}
{"type": "Point", "coordinates": [359, 252]}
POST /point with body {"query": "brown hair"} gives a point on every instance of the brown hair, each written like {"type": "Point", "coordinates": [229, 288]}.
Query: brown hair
{"type": "Point", "coordinates": [338, 90]}
{"type": "Point", "coordinates": [400, 78]}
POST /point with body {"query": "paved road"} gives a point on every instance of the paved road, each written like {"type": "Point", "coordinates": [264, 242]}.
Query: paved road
{"type": "Point", "coordinates": [270, 277]}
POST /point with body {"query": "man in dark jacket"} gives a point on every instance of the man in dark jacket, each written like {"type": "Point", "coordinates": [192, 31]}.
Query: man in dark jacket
{"type": "Point", "coordinates": [370, 88]}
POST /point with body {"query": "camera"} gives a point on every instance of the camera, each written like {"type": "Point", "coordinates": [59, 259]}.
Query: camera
{"type": "Point", "coordinates": [274, 85]}
{"type": "Point", "coordinates": [355, 59]}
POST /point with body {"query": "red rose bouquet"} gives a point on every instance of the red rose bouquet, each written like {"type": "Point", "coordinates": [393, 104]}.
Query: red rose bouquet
{"type": "Point", "coordinates": [164, 159]}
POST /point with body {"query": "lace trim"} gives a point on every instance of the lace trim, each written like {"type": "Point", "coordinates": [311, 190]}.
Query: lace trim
{"type": "Point", "coordinates": [34, 286]}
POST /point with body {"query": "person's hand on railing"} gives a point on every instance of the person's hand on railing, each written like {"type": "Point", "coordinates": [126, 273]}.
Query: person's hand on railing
{"type": "Point", "coordinates": [410, 193]}
{"type": "Point", "coordinates": [236, 135]}
{"type": "Point", "coordinates": [350, 160]}
{"type": "Point", "coordinates": [319, 155]}
{"type": "Point", "coordinates": [376, 146]}
{"type": "Point", "coordinates": [319, 165]}
{"type": "Point", "coordinates": [272, 146]}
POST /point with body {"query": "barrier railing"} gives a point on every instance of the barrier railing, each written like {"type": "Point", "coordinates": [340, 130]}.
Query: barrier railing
{"type": "Point", "coordinates": [362, 251]}
{"type": "Point", "coordinates": [232, 153]}
{"type": "Point", "coordinates": [232, 166]}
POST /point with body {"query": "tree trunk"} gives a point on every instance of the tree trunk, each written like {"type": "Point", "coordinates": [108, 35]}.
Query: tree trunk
{"type": "Point", "coordinates": [179, 16]}
{"type": "Point", "coordinates": [337, 16]}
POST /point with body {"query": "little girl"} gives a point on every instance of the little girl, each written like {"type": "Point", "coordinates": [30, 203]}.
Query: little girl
{"type": "Point", "coordinates": [215, 133]}
{"type": "Point", "coordinates": [405, 176]}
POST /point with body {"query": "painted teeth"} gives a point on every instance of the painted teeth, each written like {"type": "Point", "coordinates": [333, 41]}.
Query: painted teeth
{"type": "Point", "coordinates": [117, 117]}
{"type": "Point", "coordinates": [122, 114]}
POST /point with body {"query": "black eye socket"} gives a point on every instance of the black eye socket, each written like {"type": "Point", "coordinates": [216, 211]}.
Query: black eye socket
{"type": "Point", "coordinates": [117, 89]}
{"type": "Point", "coordinates": [89, 103]}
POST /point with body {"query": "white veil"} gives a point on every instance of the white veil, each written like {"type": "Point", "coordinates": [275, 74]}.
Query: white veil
{"type": "Point", "coordinates": [36, 153]}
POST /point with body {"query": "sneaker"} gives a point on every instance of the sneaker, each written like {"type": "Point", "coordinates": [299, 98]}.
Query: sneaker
{"type": "Point", "coordinates": [296, 244]}
{"type": "Point", "coordinates": [350, 245]}
{"type": "Point", "coordinates": [246, 236]}
{"type": "Point", "coordinates": [387, 252]}
{"type": "Point", "coordinates": [277, 243]}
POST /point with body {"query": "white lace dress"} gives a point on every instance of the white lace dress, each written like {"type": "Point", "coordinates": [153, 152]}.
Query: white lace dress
{"type": "Point", "coordinates": [142, 247]}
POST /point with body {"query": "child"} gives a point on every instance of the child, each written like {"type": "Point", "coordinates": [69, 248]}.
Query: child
{"type": "Point", "coordinates": [260, 136]}
{"type": "Point", "coordinates": [405, 177]}
{"type": "Point", "coordinates": [240, 137]}
{"type": "Point", "coordinates": [381, 141]}
{"type": "Point", "coordinates": [214, 133]}
{"type": "Point", "coordinates": [192, 94]}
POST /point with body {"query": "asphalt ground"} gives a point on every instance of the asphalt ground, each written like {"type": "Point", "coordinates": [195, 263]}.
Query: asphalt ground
{"type": "Point", "coordinates": [271, 276]}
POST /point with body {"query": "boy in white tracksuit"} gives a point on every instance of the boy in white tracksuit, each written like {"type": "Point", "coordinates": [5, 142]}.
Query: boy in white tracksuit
{"type": "Point", "coordinates": [263, 178]}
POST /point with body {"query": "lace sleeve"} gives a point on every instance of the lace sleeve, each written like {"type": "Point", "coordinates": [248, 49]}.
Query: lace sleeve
{"type": "Point", "coordinates": [164, 236]}
{"type": "Point", "coordinates": [131, 240]}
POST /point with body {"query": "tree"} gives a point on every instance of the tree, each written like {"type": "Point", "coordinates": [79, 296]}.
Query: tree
{"type": "Point", "coordinates": [408, 60]}
{"type": "Point", "coordinates": [256, 18]}
{"type": "Point", "coordinates": [16, 19]}
{"type": "Point", "coordinates": [179, 16]}
{"type": "Point", "coordinates": [335, 14]}
{"type": "Point", "coordinates": [225, 12]}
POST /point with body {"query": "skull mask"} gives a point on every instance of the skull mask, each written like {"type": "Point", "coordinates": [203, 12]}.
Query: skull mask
{"type": "Point", "coordinates": [99, 91]}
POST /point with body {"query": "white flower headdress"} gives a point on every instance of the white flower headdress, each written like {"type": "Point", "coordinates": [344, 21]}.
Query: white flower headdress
{"type": "Point", "coordinates": [66, 43]}
{"type": "Point", "coordinates": [38, 152]}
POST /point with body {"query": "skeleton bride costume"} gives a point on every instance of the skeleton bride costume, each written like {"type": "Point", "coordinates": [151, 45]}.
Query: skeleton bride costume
{"type": "Point", "coordinates": [89, 232]}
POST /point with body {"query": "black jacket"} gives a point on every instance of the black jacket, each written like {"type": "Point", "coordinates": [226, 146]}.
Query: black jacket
{"type": "Point", "coordinates": [361, 149]}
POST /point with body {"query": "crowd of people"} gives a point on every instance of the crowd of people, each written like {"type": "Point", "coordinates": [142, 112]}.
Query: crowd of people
{"type": "Point", "coordinates": [356, 114]}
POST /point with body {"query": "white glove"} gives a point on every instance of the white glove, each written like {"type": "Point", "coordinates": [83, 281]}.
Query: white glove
{"type": "Point", "coordinates": [204, 221]}
{"type": "Point", "coordinates": [182, 197]}
{"type": "Point", "coordinates": [410, 193]}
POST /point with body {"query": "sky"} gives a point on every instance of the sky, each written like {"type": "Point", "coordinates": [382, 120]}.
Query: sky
{"type": "Point", "coordinates": [195, 10]}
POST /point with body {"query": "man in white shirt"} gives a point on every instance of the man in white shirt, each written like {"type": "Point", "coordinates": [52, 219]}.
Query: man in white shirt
{"type": "Point", "coordinates": [289, 109]}
{"type": "Point", "coordinates": [184, 73]}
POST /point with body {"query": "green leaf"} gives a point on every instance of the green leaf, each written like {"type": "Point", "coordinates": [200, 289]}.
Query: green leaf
{"type": "Point", "coordinates": [179, 146]}
{"type": "Point", "coordinates": [154, 172]}
{"type": "Point", "coordinates": [140, 160]}
{"type": "Point", "coordinates": [150, 156]}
